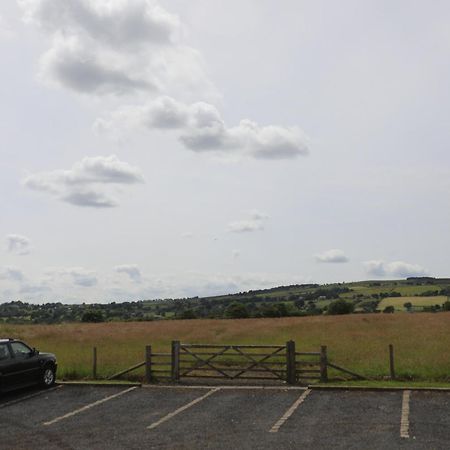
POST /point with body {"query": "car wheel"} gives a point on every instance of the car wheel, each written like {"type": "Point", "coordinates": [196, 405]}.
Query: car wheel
{"type": "Point", "coordinates": [48, 376]}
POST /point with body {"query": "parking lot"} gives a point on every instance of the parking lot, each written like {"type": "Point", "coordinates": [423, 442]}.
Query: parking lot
{"type": "Point", "coordinates": [122, 417]}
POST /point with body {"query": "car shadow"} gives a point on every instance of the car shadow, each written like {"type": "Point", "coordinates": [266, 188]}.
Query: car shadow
{"type": "Point", "coordinates": [18, 394]}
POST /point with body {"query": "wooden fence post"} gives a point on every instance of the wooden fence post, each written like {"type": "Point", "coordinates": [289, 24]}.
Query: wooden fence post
{"type": "Point", "coordinates": [323, 364]}
{"type": "Point", "coordinates": [148, 363]}
{"type": "Point", "coordinates": [176, 361]}
{"type": "Point", "coordinates": [290, 362]}
{"type": "Point", "coordinates": [391, 361]}
{"type": "Point", "coordinates": [94, 363]}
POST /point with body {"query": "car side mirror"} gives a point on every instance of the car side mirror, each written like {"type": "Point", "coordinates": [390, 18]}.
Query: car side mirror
{"type": "Point", "coordinates": [34, 352]}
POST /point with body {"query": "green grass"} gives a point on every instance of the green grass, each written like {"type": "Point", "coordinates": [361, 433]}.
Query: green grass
{"type": "Point", "coordinates": [398, 302]}
{"type": "Point", "coordinates": [388, 384]}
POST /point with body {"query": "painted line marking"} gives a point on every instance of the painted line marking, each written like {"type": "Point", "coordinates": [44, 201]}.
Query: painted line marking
{"type": "Point", "coordinates": [91, 405]}
{"type": "Point", "coordinates": [289, 412]}
{"type": "Point", "coordinates": [404, 422]}
{"type": "Point", "coordinates": [183, 408]}
{"type": "Point", "coordinates": [27, 397]}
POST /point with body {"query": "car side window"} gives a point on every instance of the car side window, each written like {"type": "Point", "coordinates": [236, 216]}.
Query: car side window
{"type": "Point", "coordinates": [4, 352]}
{"type": "Point", "coordinates": [20, 350]}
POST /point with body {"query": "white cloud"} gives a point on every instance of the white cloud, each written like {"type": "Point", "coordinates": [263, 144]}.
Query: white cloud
{"type": "Point", "coordinates": [236, 254]}
{"type": "Point", "coordinates": [254, 223]}
{"type": "Point", "coordinates": [132, 270]}
{"type": "Point", "coordinates": [12, 274]}
{"type": "Point", "coordinates": [113, 22]}
{"type": "Point", "coordinates": [78, 275]}
{"type": "Point", "coordinates": [202, 129]}
{"type": "Point", "coordinates": [34, 289]}
{"type": "Point", "coordinates": [5, 30]}
{"type": "Point", "coordinates": [380, 268]}
{"type": "Point", "coordinates": [18, 244]}
{"type": "Point", "coordinates": [332, 256]}
{"type": "Point", "coordinates": [69, 64]}
{"type": "Point", "coordinates": [97, 44]}
{"type": "Point", "coordinates": [88, 182]}
{"type": "Point", "coordinates": [121, 47]}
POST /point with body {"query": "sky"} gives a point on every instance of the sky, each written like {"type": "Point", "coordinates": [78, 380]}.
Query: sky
{"type": "Point", "coordinates": [155, 149]}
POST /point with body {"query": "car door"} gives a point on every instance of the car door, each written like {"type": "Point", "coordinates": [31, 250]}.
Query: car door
{"type": "Point", "coordinates": [6, 368]}
{"type": "Point", "coordinates": [25, 364]}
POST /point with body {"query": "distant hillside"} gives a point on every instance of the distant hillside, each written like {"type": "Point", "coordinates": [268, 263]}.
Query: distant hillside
{"type": "Point", "coordinates": [420, 294]}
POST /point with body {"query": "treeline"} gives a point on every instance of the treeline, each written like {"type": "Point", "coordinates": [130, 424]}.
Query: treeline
{"type": "Point", "coordinates": [276, 302]}
{"type": "Point", "coordinates": [293, 300]}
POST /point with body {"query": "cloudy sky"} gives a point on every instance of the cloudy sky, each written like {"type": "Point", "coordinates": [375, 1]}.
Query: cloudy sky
{"type": "Point", "coordinates": [155, 149]}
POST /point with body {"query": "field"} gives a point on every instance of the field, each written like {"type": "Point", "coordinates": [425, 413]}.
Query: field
{"type": "Point", "coordinates": [358, 342]}
{"type": "Point", "coordinates": [398, 302]}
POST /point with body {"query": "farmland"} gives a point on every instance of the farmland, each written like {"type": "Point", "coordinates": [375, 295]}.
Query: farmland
{"type": "Point", "coordinates": [416, 302]}
{"type": "Point", "coordinates": [357, 341]}
{"type": "Point", "coordinates": [425, 293]}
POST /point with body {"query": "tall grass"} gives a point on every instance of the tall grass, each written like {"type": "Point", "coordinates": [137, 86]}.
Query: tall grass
{"type": "Point", "coordinates": [358, 342]}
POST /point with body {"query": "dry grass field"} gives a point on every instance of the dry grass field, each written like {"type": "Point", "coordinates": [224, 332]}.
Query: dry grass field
{"type": "Point", "coordinates": [358, 342]}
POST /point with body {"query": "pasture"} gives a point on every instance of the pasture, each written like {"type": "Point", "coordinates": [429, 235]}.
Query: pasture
{"type": "Point", "coordinates": [398, 302]}
{"type": "Point", "coordinates": [358, 342]}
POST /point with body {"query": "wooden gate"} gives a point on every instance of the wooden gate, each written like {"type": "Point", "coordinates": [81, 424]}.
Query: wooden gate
{"type": "Point", "coordinates": [236, 362]}
{"type": "Point", "coordinates": [243, 362]}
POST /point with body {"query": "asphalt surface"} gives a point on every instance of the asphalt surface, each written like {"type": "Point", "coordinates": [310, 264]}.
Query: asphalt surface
{"type": "Point", "coordinates": [91, 418]}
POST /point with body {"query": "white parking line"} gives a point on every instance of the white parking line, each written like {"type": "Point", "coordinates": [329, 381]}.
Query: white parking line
{"type": "Point", "coordinates": [183, 408]}
{"type": "Point", "coordinates": [91, 405]}
{"type": "Point", "coordinates": [404, 422]}
{"type": "Point", "coordinates": [27, 397]}
{"type": "Point", "coordinates": [289, 412]}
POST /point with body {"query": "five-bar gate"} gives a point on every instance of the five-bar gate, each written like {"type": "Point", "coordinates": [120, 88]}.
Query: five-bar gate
{"type": "Point", "coordinates": [237, 362]}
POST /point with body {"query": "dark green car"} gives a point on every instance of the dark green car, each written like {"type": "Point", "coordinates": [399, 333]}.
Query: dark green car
{"type": "Point", "coordinates": [21, 366]}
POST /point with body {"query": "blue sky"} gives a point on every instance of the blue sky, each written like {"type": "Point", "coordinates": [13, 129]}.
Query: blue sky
{"type": "Point", "coordinates": [157, 149]}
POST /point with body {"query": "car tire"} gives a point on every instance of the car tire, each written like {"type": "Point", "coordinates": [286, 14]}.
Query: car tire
{"type": "Point", "coordinates": [48, 376]}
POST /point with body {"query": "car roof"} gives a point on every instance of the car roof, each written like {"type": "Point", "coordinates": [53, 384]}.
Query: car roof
{"type": "Point", "coordinates": [7, 339]}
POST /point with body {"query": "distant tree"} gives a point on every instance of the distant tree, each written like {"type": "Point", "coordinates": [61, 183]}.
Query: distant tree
{"type": "Point", "coordinates": [389, 309]}
{"type": "Point", "coordinates": [282, 309]}
{"type": "Point", "coordinates": [236, 311]}
{"type": "Point", "coordinates": [446, 306]}
{"type": "Point", "coordinates": [93, 316]}
{"type": "Point", "coordinates": [407, 306]}
{"type": "Point", "coordinates": [300, 303]}
{"type": "Point", "coordinates": [314, 311]}
{"type": "Point", "coordinates": [270, 311]}
{"type": "Point", "coordinates": [188, 314]}
{"type": "Point", "coordinates": [340, 307]}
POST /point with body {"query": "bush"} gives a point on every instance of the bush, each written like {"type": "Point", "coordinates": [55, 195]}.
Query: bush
{"type": "Point", "coordinates": [188, 314]}
{"type": "Point", "coordinates": [340, 307]}
{"type": "Point", "coordinates": [446, 306]}
{"type": "Point", "coordinates": [389, 310]}
{"type": "Point", "coordinates": [92, 316]}
{"type": "Point", "coordinates": [236, 311]}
